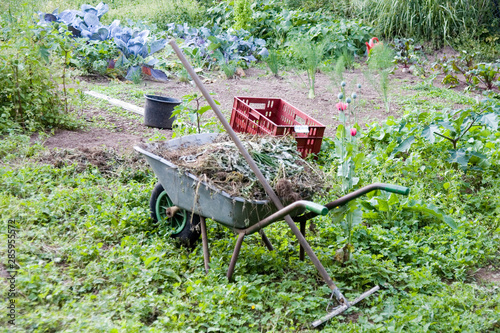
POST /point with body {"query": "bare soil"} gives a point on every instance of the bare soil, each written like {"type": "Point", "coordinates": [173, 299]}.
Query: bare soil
{"type": "Point", "coordinates": [488, 274]}
{"type": "Point", "coordinates": [122, 133]}
{"type": "Point", "coordinates": [92, 138]}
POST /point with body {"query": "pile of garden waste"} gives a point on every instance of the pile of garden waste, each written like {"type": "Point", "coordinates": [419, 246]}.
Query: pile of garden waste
{"type": "Point", "coordinates": [220, 164]}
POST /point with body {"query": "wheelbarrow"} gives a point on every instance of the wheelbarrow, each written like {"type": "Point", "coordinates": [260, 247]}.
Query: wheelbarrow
{"type": "Point", "coordinates": [181, 201]}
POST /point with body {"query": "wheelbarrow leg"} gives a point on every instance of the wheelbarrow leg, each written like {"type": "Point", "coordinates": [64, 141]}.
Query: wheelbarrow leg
{"type": "Point", "coordinates": [303, 232]}
{"type": "Point", "coordinates": [236, 253]}
{"type": "Point", "coordinates": [204, 239]}
{"type": "Point", "coordinates": [266, 240]}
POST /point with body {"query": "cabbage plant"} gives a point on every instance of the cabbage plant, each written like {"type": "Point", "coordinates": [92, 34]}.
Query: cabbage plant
{"type": "Point", "coordinates": [136, 52]}
{"type": "Point", "coordinates": [82, 23]}
{"type": "Point", "coordinates": [135, 46]}
{"type": "Point", "coordinates": [217, 46]}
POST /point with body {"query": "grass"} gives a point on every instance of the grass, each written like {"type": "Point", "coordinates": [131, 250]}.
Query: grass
{"type": "Point", "coordinates": [430, 20]}
{"type": "Point", "coordinates": [424, 98]}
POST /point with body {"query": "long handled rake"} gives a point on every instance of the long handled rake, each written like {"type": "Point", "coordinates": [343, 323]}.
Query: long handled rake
{"type": "Point", "coordinates": [344, 304]}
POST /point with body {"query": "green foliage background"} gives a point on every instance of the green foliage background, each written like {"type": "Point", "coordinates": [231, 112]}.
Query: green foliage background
{"type": "Point", "coordinates": [30, 96]}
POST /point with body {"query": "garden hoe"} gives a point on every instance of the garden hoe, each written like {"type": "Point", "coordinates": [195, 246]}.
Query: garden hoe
{"type": "Point", "coordinates": [344, 304]}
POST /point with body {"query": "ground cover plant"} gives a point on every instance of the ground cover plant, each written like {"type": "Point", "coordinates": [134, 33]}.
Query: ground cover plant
{"type": "Point", "coordinates": [90, 258]}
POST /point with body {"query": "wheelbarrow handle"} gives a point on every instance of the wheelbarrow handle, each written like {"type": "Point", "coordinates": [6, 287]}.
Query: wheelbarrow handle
{"type": "Point", "coordinates": [316, 208]}
{"type": "Point", "coordinates": [362, 191]}
{"type": "Point", "coordinates": [356, 194]}
{"type": "Point", "coordinates": [396, 189]}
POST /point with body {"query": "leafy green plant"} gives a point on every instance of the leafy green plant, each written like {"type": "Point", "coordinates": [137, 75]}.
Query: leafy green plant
{"type": "Point", "coordinates": [392, 210]}
{"type": "Point", "coordinates": [454, 127]}
{"type": "Point", "coordinates": [95, 56]}
{"type": "Point", "coordinates": [242, 14]}
{"type": "Point", "coordinates": [30, 96]}
{"type": "Point", "coordinates": [460, 64]}
{"type": "Point", "coordinates": [188, 117]}
{"type": "Point", "coordinates": [488, 74]}
{"type": "Point", "coordinates": [63, 47]}
{"type": "Point", "coordinates": [406, 51]}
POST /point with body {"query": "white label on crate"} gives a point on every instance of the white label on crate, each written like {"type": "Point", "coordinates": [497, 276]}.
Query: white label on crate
{"type": "Point", "coordinates": [301, 129]}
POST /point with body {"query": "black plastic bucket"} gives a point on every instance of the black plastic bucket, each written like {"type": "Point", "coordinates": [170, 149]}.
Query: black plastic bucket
{"type": "Point", "coordinates": [158, 111]}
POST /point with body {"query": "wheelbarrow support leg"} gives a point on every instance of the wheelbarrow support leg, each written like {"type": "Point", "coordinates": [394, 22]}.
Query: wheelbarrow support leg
{"type": "Point", "coordinates": [303, 232]}
{"type": "Point", "coordinates": [236, 253]}
{"type": "Point", "coordinates": [204, 239]}
{"type": "Point", "coordinates": [266, 240]}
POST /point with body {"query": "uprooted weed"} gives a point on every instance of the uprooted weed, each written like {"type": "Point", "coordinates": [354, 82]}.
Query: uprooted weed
{"type": "Point", "coordinates": [222, 164]}
{"type": "Point", "coordinates": [108, 161]}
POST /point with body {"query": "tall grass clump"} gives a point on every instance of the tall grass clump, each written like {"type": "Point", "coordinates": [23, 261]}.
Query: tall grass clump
{"type": "Point", "coordinates": [340, 8]}
{"type": "Point", "coordinates": [437, 21]}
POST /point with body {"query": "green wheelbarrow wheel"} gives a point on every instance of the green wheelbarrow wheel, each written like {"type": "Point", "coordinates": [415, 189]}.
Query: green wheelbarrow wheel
{"type": "Point", "coordinates": [183, 226]}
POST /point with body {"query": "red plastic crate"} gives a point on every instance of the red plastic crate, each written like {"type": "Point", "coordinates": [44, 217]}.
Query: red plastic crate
{"type": "Point", "coordinates": [274, 116]}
